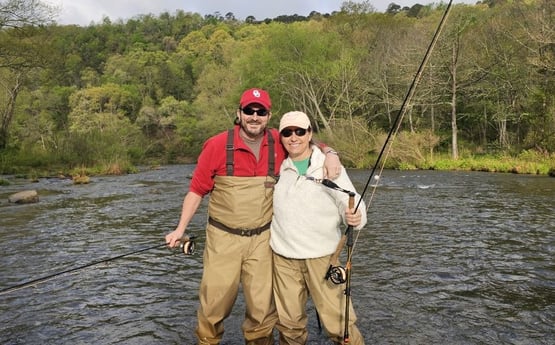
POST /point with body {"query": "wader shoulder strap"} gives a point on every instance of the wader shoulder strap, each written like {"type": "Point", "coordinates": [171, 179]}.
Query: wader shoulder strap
{"type": "Point", "coordinates": [271, 156]}
{"type": "Point", "coordinates": [230, 151]}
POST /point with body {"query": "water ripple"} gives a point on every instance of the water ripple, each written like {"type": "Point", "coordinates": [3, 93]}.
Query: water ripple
{"type": "Point", "coordinates": [446, 258]}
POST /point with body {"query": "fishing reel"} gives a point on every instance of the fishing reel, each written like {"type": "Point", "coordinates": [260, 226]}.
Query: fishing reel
{"type": "Point", "coordinates": [337, 274]}
{"type": "Point", "coordinates": [187, 245]}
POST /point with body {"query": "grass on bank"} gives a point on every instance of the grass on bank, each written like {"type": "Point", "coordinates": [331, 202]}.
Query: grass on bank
{"type": "Point", "coordinates": [426, 151]}
{"type": "Point", "coordinates": [530, 163]}
{"type": "Point", "coordinates": [34, 166]}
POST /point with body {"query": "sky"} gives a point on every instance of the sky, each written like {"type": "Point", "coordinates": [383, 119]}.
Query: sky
{"type": "Point", "coordinates": [85, 12]}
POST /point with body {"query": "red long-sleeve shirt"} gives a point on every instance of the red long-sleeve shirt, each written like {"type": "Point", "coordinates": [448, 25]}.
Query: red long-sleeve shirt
{"type": "Point", "coordinates": [212, 160]}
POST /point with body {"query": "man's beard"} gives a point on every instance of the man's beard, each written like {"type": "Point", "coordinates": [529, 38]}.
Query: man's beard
{"type": "Point", "coordinates": [253, 133]}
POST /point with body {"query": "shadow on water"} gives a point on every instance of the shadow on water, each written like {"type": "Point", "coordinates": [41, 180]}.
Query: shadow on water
{"type": "Point", "coordinates": [446, 258]}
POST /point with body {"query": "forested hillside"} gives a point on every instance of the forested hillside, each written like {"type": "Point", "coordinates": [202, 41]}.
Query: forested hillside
{"type": "Point", "coordinates": [151, 89]}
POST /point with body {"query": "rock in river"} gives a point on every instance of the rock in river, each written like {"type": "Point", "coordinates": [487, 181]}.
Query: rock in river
{"type": "Point", "coordinates": [24, 197]}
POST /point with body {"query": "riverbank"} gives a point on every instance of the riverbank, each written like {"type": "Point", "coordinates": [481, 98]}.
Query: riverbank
{"type": "Point", "coordinates": [528, 163]}
{"type": "Point", "coordinates": [534, 164]}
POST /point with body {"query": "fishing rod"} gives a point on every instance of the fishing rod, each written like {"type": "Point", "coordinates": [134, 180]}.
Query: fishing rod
{"type": "Point", "coordinates": [386, 147]}
{"type": "Point", "coordinates": [187, 246]}
{"type": "Point", "coordinates": [348, 265]}
{"type": "Point", "coordinates": [338, 274]}
{"type": "Point", "coordinates": [408, 97]}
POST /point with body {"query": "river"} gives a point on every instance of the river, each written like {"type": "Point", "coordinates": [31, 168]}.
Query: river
{"type": "Point", "coordinates": [446, 258]}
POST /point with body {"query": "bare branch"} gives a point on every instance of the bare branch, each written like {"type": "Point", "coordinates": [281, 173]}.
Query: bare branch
{"type": "Point", "coordinates": [18, 13]}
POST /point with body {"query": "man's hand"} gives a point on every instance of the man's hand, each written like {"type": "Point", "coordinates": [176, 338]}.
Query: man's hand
{"type": "Point", "coordinates": [332, 164]}
{"type": "Point", "coordinates": [173, 238]}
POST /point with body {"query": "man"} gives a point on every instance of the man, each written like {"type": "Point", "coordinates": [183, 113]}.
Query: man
{"type": "Point", "coordinates": [238, 168]}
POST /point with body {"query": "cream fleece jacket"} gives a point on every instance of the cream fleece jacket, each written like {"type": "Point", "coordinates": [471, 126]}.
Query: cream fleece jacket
{"type": "Point", "coordinates": [308, 216]}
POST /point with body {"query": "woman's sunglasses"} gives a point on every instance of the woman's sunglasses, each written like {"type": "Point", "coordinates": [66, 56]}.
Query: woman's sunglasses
{"type": "Point", "coordinates": [251, 111]}
{"type": "Point", "coordinates": [287, 132]}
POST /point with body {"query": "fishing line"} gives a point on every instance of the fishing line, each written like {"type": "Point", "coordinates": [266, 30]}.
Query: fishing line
{"type": "Point", "coordinates": [187, 247]}
{"type": "Point", "coordinates": [386, 148]}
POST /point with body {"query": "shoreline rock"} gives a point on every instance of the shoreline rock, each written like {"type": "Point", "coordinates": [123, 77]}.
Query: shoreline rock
{"type": "Point", "coordinates": [24, 197]}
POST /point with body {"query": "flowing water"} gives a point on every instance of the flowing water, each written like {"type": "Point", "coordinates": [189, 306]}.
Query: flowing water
{"type": "Point", "coordinates": [446, 258]}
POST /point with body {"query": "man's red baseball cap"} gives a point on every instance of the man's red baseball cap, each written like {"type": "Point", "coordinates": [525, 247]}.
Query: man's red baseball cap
{"type": "Point", "coordinates": [255, 95]}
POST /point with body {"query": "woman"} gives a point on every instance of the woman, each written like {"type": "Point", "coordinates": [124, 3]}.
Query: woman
{"type": "Point", "coordinates": [305, 232]}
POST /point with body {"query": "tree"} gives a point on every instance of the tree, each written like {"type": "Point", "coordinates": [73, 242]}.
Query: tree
{"type": "Point", "coordinates": [536, 35]}
{"type": "Point", "coordinates": [362, 7]}
{"type": "Point", "coordinates": [230, 17]}
{"type": "Point", "coordinates": [20, 53]}
{"type": "Point", "coordinates": [106, 99]}
{"type": "Point", "coordinates": [393, 8]}
{"type": "Point", "coordinates": [504, 89]}
{"type": "Point", "coordinates": [144, 70]}
{"type": "Point", "coordinates": [307, 70]}
{"type": "Point", "coordinates": [454, 60]}
{"type": "Point", "coordinates": [19, 13]}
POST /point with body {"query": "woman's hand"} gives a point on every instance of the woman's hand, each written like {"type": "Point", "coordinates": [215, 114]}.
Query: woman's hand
{"type": "Point", "coordinates": [352, 218]}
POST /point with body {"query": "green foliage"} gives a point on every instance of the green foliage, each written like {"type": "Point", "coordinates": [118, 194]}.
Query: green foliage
{"type": "Point", "coordinates": [406, 150]}
{"type": "Point", "coordinates": [99, 107]}
{"type": "Point", "coordinates": [505, 164]}
{"type": "Point", "coordinates": [106, 152]}
{"type": "Point", "coordinates": [355, 143]}
{"type": "Point", "coordinates": [24, 161]}
{"type": "Point", "coordinates": [147, 71]}
{"type": "Point", "coordinates": [156, 87]}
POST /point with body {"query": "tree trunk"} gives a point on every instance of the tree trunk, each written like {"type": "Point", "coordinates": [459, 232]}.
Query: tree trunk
{"type": "Point", "coordinates": [7, 113]}
{"type": "Point", "coordinates": [503, 137]}
{"type": "Point", "coordinates": [454, 130]}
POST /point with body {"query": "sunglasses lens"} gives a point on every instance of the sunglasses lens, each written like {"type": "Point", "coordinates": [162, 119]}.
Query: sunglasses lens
{"type": "Point", "coordinates": [251, 111]}
{"type": "Point", "coordinates": [300, 132]}
{"type": "Point", "coordinates": [289, 132]}
{"type": "Point", "coordinates": [248, 111]}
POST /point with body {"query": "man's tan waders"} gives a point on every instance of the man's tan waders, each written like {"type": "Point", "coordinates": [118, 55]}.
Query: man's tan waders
{"type": "Point", "coordinates": [237, 251]}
